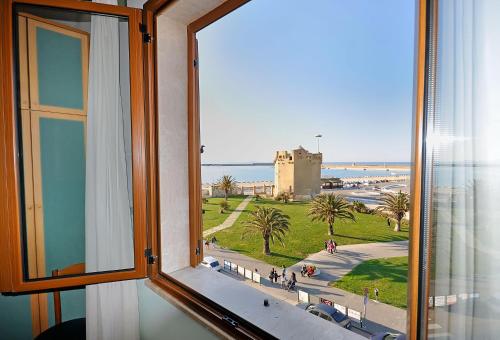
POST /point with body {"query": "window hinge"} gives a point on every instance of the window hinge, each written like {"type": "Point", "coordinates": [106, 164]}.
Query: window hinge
{"type": "Point", "coordinates": [146, 36]}
{"type": "Point", "coordinates": [230, 321]}
{"type": "Point", "coordinates": [195, 62]}
{"type": "Point", "coordinates": [149, 256]}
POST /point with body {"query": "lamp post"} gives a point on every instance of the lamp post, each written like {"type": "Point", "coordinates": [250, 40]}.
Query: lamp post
{"type": "Point", "coordinates": [318, 137]}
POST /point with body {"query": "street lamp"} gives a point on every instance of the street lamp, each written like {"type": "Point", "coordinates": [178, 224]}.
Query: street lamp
{"type": "Point", "coordinates": [318, 137]}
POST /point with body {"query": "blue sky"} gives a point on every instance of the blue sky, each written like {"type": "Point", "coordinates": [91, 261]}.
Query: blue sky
{"type": "Point", "coordinates": [275, 73]}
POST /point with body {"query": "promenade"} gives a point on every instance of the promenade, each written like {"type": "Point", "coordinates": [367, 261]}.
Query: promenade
{"type": "Point", "coordinates": [380, 317]}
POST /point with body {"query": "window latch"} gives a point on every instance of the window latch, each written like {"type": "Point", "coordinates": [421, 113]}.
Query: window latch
{"type": "Point", "coordinates": [230, 321]}
{"type": "Point", "coordinates": [148, 253]}
{"type": "Point", "coordinates": [198, 249]}
{"type": "Point", "coordinates": [146, 36]}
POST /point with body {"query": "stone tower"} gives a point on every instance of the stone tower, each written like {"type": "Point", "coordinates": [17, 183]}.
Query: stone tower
{"type": "Point", "coordinates": [298, 172]}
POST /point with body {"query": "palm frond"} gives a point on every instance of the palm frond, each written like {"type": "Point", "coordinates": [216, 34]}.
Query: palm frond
{"type": "Point", "coordinates": [327, 207]}
{"type": "Point", "coordinates": [270, 222]}
{"type": "Point", "coordinates": [396, 205]}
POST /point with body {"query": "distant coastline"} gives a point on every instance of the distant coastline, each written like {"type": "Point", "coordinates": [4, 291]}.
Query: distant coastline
{"type": "Point", "coordinates": [237, 164]}
{"type": "Point", "coordinates": [264, 171]}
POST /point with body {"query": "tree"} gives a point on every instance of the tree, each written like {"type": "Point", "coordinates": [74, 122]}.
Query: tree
{"type": "Point", "coordinates": [226, 183]}
{"type": "Point", "coordinates": [271, 223]}
{"type": "Point", "coordinates": [329, 207]}
{"type": "Point", "coordinates": [396, 205]}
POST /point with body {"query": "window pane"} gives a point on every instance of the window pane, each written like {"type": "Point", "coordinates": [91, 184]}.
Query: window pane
{"type": "Point", "coordinates": [463, 170]}
{"type": "Point", "coordinates": [75, 141]}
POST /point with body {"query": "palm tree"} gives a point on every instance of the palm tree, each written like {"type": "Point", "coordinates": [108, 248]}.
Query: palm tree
{"type": "Point", "coordinates": [328, 208]}
{"type": "Point", "coordinates": [396, 205]}
{"type": "Point", "coordinates": [226, 183]}
{"type": "Point", "coordinates": [271, 223]}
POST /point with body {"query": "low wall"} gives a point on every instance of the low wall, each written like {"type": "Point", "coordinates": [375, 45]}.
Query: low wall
{"type": "Point", "coordinates": [241, 188]}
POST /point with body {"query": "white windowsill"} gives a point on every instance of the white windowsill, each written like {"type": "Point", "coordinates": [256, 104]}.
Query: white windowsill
{"type": "Point", "coordinates": [280, 319]}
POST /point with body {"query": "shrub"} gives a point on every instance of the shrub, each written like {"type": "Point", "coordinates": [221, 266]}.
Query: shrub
{"type": "Point", "coordinates": [223, 206]}
{"type": "Point", "coordinates": [283, 197]}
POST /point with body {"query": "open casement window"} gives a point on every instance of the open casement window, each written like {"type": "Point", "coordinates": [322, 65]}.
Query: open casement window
{"type": "Point", "coordinates": [172, 66]}
{"type": "Point", "coordinates": [52, 91]}
{"type": "Point", "coordinates": [73, 142]}
{"type": "Point", "coordinates": [174, 153]}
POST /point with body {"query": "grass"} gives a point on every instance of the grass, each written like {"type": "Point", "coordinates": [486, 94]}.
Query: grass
{"type": "Point", "coordinates": [389, 275]}
{"type": "Point", "coordinates": [306, 237]}
{"type": "Point", "coordinates": [212, 217]}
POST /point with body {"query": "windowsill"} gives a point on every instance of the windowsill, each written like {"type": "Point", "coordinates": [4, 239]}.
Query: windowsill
{"type": "Point", "coordinates": [281, 319]}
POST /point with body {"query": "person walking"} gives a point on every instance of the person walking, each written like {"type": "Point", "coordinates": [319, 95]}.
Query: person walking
{"type": "Point", "coordinates": [276, 276]}
{"type": "Point", "coordinates": [271, 275]}
{"type": "Point", "coordinates": [284, 270]}
{"type": "Point", "coordinates": [214, 241]}
{"type": "Point", "coordinates": [283, 280]}
{"type": "Point", "coordinates": [304, 270]}
{"type": "Point", "coordinates": [334, 246]}
{"type": "Point", "coordinates": [293, 281]}
{"type": "Point", "coordinates": [326, 245]}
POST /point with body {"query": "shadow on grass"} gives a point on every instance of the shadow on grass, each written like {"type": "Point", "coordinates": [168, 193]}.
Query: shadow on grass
{"type": "Point", "coordinates": [273, 254]}
{"type": "Point", "coordinates": [295, 258]}
{"type": "Point", "coordinates": [389, 238]}
{"type": "Point", "coordinates": [272, 202]}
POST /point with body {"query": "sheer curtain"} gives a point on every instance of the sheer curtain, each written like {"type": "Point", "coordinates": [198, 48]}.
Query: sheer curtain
{"type": "Point", "coordinates": [463, 137]}
{"type": "Point", "coordinates": [111, 308]}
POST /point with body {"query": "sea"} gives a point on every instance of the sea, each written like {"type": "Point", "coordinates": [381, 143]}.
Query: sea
{"type": "Point", "coordinates": [254, 173]}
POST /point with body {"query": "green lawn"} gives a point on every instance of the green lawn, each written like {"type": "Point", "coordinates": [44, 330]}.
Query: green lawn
{"type": "Point", "coordinates": [306, 237]}
{"type": "Point", "coordinates": [389, 275]}
{"type": "Point", "coordinates": [212, 217]}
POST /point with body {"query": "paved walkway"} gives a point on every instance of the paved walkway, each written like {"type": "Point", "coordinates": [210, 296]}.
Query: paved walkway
{"type": "Point", "coordinates": [380, 316]}
{"type": "Point", "coordinates": [229, 221]}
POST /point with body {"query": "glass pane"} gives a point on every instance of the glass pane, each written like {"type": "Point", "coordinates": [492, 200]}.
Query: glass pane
{"type": "Point", "coordinates": [75, 141]}
{"type": "Point", "coordinates": [463, 167]}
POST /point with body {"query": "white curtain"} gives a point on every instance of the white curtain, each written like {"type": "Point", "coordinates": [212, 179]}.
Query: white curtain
{"type": "Point", "coordinates": [111, 308]}
{"type": "Point", "coordinates": [465, 137]}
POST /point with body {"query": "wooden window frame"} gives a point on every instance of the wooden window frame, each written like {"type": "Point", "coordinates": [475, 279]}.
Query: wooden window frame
{"type": "Point", "coordinates": [416, 312]}
{"type": "Point", "coordinates": [145, 151]}
{"type": "Point", "coordinates": [12, 267]}
{"type": "Point", "coordinates": [208, 311]}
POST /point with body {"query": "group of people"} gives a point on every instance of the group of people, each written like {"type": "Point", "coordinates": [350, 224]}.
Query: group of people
{"type": "Point", "coordinates": [285, 283]}
{"type": "Point", "coordinates": [331, 246]}
{"type": "Point", "coordinates": [213, 241]}
{"type": "Point", "coordinates": [307, 271]}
